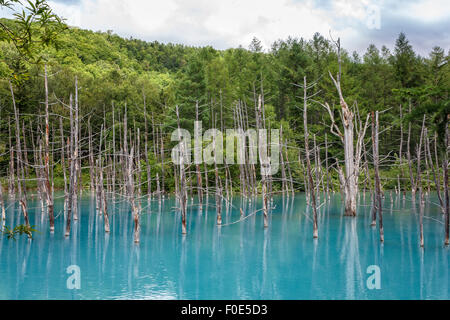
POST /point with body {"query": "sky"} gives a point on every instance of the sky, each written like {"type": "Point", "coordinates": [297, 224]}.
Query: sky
{"type": "Point", "coordinates": [230, 23]}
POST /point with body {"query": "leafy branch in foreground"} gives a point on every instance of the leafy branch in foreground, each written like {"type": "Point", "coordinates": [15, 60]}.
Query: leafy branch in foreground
{"type": "Point", "coordinates": [35, 26]}
{"type": "Point", "coordinates": [18, 231]}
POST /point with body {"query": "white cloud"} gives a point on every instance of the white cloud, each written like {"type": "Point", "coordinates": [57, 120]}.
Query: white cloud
{"type": "Point", "coordinates": [231, 23]}
{"type": "Point", "coordinates": [428, 10]}
{"type": "Point", "coordinates": [198, 22]}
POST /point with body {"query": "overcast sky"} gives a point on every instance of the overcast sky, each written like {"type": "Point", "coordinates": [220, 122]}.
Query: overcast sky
{"type": "Point", "coordinates": [230, 23]}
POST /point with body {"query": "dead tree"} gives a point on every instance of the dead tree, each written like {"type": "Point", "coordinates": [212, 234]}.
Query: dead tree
{"type": "Point", "coordinates": [25, 149]}
{"type": "Point", "coordinates": [408, 154]}
{"type": "Point", "coordinates": [91, 157]}
{"type": "Point", "coordinates": [435, 172]}
{"type": "Point", "coordinates": [114, 157]}
{"type": "Point", "coordinates": [311, 187]}
{"type": "Point", "coordinates": [265, 165]}
{"type": "Point", "coordinates": [103, 201]}
{"type": "Point", "coordinates": [326, 167]}
{"type": "Point", "coordinates": [11, 181]}
{"type": "Point", "coordinates": [445, 167]}
{"type": "Point", "coordinates": [63, 162]}
{"type": "Point", "coordinates": [352, 151]}
{"type": "Point", "coordinates": [288, 166]}
{"type": "Point", "coordinates": [75, 151]}
{"type": "Point", "coordinates": [376, 162]}
{"type": "Point", "coordinates": [48, 186]}
{"type": "Point", "coordinates": [182, 189]}
{"type": "Point", "coordinates": [156, 154]}
{"type": "Point", "coordinates": [418, 184]}
{"type": "Point", "coordinates": [147, 160]}
{"type": "Point", "coordinates": [131, 196]}
{"type": "Point", "coordinates": [2, 206]}
{"type": "Point", "coordinates": [72, 173]}
{"type": "Point", "coordinates": [218, 182]}
{"type": "Point", "coordinates": [400, 153]}
{"type": "Point", "coordinates": [197, 166]}
{"type": "Point", "coordinates": [20, 166]}
{"type": "Point", "coordinates": [376, 177]}
{"type": "Point", "coordinates": [317, 168]}
{"type": "Point", "coordinates": [284, 187]}
{"type": "Point", "coordinates": [162, 163]}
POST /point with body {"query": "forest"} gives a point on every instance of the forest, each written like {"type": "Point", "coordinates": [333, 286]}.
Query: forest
{"type": "Point", "coordinates": [95, 111]}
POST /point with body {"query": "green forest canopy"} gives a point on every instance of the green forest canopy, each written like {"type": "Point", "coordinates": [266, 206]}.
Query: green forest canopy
{"type": "Point", "coordinates": [114, 70]}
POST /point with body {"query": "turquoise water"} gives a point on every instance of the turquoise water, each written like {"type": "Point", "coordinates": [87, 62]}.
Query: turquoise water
{"type": "Point", "coordinates": [237, 261]}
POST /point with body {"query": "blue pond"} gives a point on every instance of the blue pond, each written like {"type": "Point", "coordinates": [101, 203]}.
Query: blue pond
{"type": "Point", "coordinates": [236, 261]}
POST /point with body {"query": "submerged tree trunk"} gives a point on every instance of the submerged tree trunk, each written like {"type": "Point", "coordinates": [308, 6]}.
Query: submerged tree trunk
{"type": "Point", "coordinates": [408, 154]}
{"type": "Point", "coordinates": [2, 206]}
{"type": "Point", "coordinates": [103, 202]}
{"type": "Point", "coordinates": [311, 188]}
{"type": "Point", "coordinates": [378, 197]}
{"type": "Point", "coordinates": [20, 166]}
{"type": "Point", "coordinates": [197, 166]}
{"type": "Point", "coordinates": [400, 153]}
{"type": "Point", "coordinates": [71, 171]}
{"type": "Point", "coordinates": [352, 155]}
{"type": "Point", "coordinates": [48, 188]}
{"type": "Point", "coordinates": [435, 172]}
{"type": "Point", "coordinates": [182, 192]}
{"type": "Point", "coordinates": [147, 160]}
{"type": "Point", "coordinates": [445, 167]}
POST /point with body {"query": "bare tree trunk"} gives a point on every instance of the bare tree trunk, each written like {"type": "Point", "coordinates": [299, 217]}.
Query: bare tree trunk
{"type": "Point", "coordinates": [162, 163]}
{"type": "Point", "coordinates": [114, 160]}
{"type": "Point", "coordinates": [352, 155]}
{"type": "Point", "coordinates": [48, 188]}
{"type": "Point", "coordinates": [419, 159]}
{"type": "Point", "coordinates": [206, 181]}
{"type": "Point", "coordinates": [218, 183]}
{"type": "Point", "coordinates": [305, 182]}
{"type": "Point", "coordinates": [284, 187]}
{"type": "Point", "coordinates": [241, 167]}
{"type": "Point", "coordinates": [156, 153]}
{"type": "Point", "coordinates": [25, 152]}
{"type": "Point", "coordinates": [445, 167]}
{"type": "Point", "coordinates": [376, 178]}
{"type": "Point", "coordinates": [438, 186]}
{"type": "Point", "coordinates": [316, 169]}
{"type": "Point", "coordinates": [2, 206]}
{"type": "Point", "coordinates": [308, 161]}
{"type": "Point", "coordinates": [291, 182]}
{"type": "Point", "coordinates": [75, 155]}
{"type": "Point", "coordinates": [197, 166]}
{"type": "Point", "coordinates": [20, 169]}
{"type": "Point", "coordinates": [408, 154]}
{"type": "Point", "coordinates": [427, 166]}
{"type": "Point", "coordinates": [132, 200]}
{"type": "Point", "coordinates": [435, 175]}
{"type": "Point", "coordinates": [12, 184]}
{"type": "Point", "coordinates": [182, 189]}
{"type": "Point", "coordinates": [377, 175]}
{"type": "Point", "coordinates": [419, 182]}
{"type": "Point", "coordinates": [91, 157]}
{"type": "Point", "coordinates": [400, 154]}
{"type": "Point", "coordinates": [72, 160]}
{"type": "Point", "coordinates": [63, 162]}
{"type": "Point", "coordinates": [265, 166]}
{"type": "Point", "coordinates": [326, 167]}
{"type": "Point", "coordinates": [147, 161]}
{"type": "Point", "coordinates": [103, 202]}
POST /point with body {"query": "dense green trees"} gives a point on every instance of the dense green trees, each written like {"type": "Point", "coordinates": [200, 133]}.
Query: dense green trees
{"type": "Point", "coordinates": [113, 70]}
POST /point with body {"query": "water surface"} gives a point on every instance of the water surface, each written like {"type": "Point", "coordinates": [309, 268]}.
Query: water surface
{"type": "Point", "coordinates": [237, 261]}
